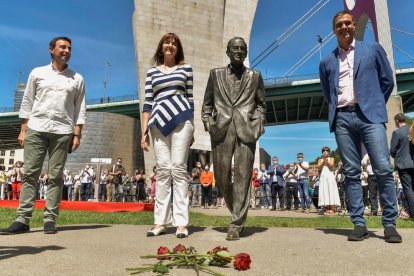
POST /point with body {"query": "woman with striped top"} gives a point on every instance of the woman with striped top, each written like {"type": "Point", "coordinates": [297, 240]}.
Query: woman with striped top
{"type": "Point", "coordinates": [168, 114]}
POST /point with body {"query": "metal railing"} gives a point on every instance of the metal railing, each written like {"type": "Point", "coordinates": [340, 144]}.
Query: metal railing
{"type": "Point", "coordinates": [283, 81]}
{"type": "Point", "coordinates": [112, 99]}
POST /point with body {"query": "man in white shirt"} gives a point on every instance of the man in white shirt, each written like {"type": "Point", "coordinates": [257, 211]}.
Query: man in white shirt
{"type": "Point", "coordinates": [303, 182]}
{"type": "Point", "coordinates": [53, 112]}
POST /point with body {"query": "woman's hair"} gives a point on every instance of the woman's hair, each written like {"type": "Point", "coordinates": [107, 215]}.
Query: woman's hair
{"type": "Point", "coordinates": [158, 57]}
{"type": "Point", "coordinates": [412, 133]}
{"type": "Point", "coordinates": [326, 148]}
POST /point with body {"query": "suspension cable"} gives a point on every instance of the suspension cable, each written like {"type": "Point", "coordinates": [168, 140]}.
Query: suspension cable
{"type": "Point", "coordinates": [308, 55]}
{"type": "Point", "coordinates": [285, 32]}
{"type": "Point", "coordinates": [288, 35]}
{"type": "Point", "coordinates": [401, 31]}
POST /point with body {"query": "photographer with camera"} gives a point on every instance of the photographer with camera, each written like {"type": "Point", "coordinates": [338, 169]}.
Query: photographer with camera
{"type": "Point", "coordinates": [291, 189]}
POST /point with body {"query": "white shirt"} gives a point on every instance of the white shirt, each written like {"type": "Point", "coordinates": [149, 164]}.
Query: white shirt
{"type": "Point", "coordinates": [290, 178]}
{"type": "Point", "coordinates": [54, 101]}
{"type": "Point", "coordinates": [302, 174]}
{"type": "Point", "coordinates": [367, 163]}
{"type": "Point", "coordinates": [346, 93]}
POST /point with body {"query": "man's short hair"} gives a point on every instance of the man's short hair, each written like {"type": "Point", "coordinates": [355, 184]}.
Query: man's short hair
{"type": "Point", "coordinates": [340, 14]}
{"type": "Point", "coordinates": [234, 38]}
{"type": "Point", "coordinates": [400, 118]}
{"type": "Point", "coordinates": [299, 154]}
{"type": "Point", "coordinates": [52, 43]}
{"type": "Point", "coordinates": [119, 158]}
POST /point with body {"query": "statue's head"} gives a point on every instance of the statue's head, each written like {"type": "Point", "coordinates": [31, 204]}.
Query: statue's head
{"type": "Point", "coordinates": [237, 51]}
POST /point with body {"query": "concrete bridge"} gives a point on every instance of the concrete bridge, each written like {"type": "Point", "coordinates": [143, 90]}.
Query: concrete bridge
{"type": "Point", "coordinates": [293, 99]}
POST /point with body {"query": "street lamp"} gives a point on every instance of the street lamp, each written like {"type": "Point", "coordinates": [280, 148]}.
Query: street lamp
{"type": "Point", "coordinates": [105, 81]}
{"type": "Point", "coordinates": [320, 40]}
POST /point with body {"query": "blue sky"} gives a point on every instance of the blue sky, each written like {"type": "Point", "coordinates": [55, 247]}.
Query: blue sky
{"type": "Point", "coordinates": [102, 32]}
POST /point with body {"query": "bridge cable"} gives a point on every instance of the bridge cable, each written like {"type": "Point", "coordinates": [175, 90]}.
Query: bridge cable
{"type": "Point", "coordinates": [396, 46]}
{"type": "Point", "coordinates": [308, 55]}
{"type": "Point", "coordinates": [283, 34]}
{"type": "Point", "coordinates": [401, 31]}
{"type": "Point", "coordinates": [287, 36]}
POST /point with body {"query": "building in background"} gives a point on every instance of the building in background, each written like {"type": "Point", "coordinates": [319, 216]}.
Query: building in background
{"type": "Point", "coordinates": [18, 95]}
{"type": "Point", "coordinates": [9, 157]}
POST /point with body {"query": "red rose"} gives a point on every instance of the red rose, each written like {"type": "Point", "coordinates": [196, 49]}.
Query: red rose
{"type": "Point", "coordinates": [242, 261]}
{"type": "Point", "coordinates": [180, 248]}
{"type": "Point", "coordinates": [163, 250]}
{"type": "Point", "coordinates": [217, 249]}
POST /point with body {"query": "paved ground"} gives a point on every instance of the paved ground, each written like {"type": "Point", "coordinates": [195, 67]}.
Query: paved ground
{"type": "Point", "coordinates": [109, 249]}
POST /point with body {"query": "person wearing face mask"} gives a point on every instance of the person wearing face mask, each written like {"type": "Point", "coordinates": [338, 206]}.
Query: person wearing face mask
{"type": "Point", "coordinates": [86, 175]}
{"type": "Point", "coordinates": [263, 177]}
{"type": "Point", "coordinates": [68, 182]}
{"type": "Point", "coordinates": [102, 185]}
{"type": "Point", "coordinates": [328, 189]}
{"type": "Point", "coordinates": [302, 168]}
{"type": "Point", "coordinates": [291, 190]}
{"type": "Point", "coordinates": [196, 186]}
{"type": "Point", "coordinates": [17, 177]}
{"type": "Point", "coordinates": [206, 180]}
{"type": "Point", "coordinates": [118, 171]}
{"type": "Point", "coordinates": [277, 184]}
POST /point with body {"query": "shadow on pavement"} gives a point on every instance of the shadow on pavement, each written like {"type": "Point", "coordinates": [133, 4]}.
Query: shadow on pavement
{"type": "Point", "coordinates": [14, 251]}
{"type": "Point", "coordinates": [346, 232]}
{"type": "Point", "coordinates": [81, 227]}
{"type": "Point", "coordinates": [247, 231]}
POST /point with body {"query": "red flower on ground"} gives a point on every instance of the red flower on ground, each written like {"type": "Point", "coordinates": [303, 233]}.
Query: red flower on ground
{"type": "Point", "coordinates": [242, 261]}
{"type": "Point", "coordinates": [163, 250]}
{"type": "Point", "coordinates": [217, 249]}
{"type": "Point", "coordinates": [180, 248]}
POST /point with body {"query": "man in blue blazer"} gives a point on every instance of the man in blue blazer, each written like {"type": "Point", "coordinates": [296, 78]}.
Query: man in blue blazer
{"type": "Point", "coordinates": [357, 81]}
{"type": "Point", "coordinates": [277, 183]}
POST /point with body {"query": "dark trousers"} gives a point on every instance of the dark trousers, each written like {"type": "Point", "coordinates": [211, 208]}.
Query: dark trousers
{"type": "Point", "coordinates": [85, 191]}
{"type": "Point", "coordinates": [291, 190]}
{"type": "Point", "coordinates": [365, 195]}
{"type": "Point", "coordinates": [407, 182]}
{"type": "Point", "coordinates": [278, 190]}
{"type": "Point", "coordinates": [206, 193]}
{"type": "Point", "coordinates": [102, 191]}
{"type": "Point", "coordinates": [373, 193]}
{"type": "Point", "coordinates": [141, 194]}
{"type": "Point", "coordinates": [236, 194]}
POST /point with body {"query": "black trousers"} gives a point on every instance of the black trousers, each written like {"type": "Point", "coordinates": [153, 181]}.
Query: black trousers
{"type": "Point", "coordinates": [206, 193]}
{"type": "Point", "coordinates": [278, 190]}
{"type": "Point", "coordinates": [291, 190]}
{"type": "Point", "coordinates": [407, 182]}
{"type": "Point", "coordinates": [373, 193]}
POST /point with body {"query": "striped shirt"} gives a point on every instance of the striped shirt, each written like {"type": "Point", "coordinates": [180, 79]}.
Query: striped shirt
{"type": "Point", "coordinates": [169, 97]}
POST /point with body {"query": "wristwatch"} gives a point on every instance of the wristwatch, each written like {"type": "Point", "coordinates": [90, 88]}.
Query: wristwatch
{"type": "Point", "coordinates": [78, 135]}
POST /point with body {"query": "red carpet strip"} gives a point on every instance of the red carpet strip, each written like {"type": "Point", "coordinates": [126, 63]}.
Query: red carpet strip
{"type": "Point", "coordinates": [89, 206]}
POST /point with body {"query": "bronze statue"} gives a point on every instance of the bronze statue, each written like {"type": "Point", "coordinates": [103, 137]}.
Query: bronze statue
{"type": "Point", "coordinates": [233, 113]}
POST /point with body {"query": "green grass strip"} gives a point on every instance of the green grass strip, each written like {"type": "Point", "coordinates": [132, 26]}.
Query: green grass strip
{"type": "Point", "coordinates": [196, 219]}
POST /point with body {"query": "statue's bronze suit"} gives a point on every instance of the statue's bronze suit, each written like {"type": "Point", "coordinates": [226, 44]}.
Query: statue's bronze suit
{"type": "Point", "coordinates": [233, 113]}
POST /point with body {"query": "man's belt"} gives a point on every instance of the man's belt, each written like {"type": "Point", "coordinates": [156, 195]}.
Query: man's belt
{"type": "Point", "coordinates": [348, 108]}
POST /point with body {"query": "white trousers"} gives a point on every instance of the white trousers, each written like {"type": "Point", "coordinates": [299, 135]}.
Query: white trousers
{"type": "Point", "coordinates": [171, 154]}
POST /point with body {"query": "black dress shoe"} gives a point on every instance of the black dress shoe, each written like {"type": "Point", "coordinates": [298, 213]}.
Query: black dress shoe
{"type": "Point", "coordinates": [359, 234]}
{"type": "Point", "coordinates": [50, 227]}
{"type": "Point", "coordinates": [391, 235]}
{"type": "Point", "coordinates": [15, 228]}
{"type": "Point", "coordinates": [232, 234]}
